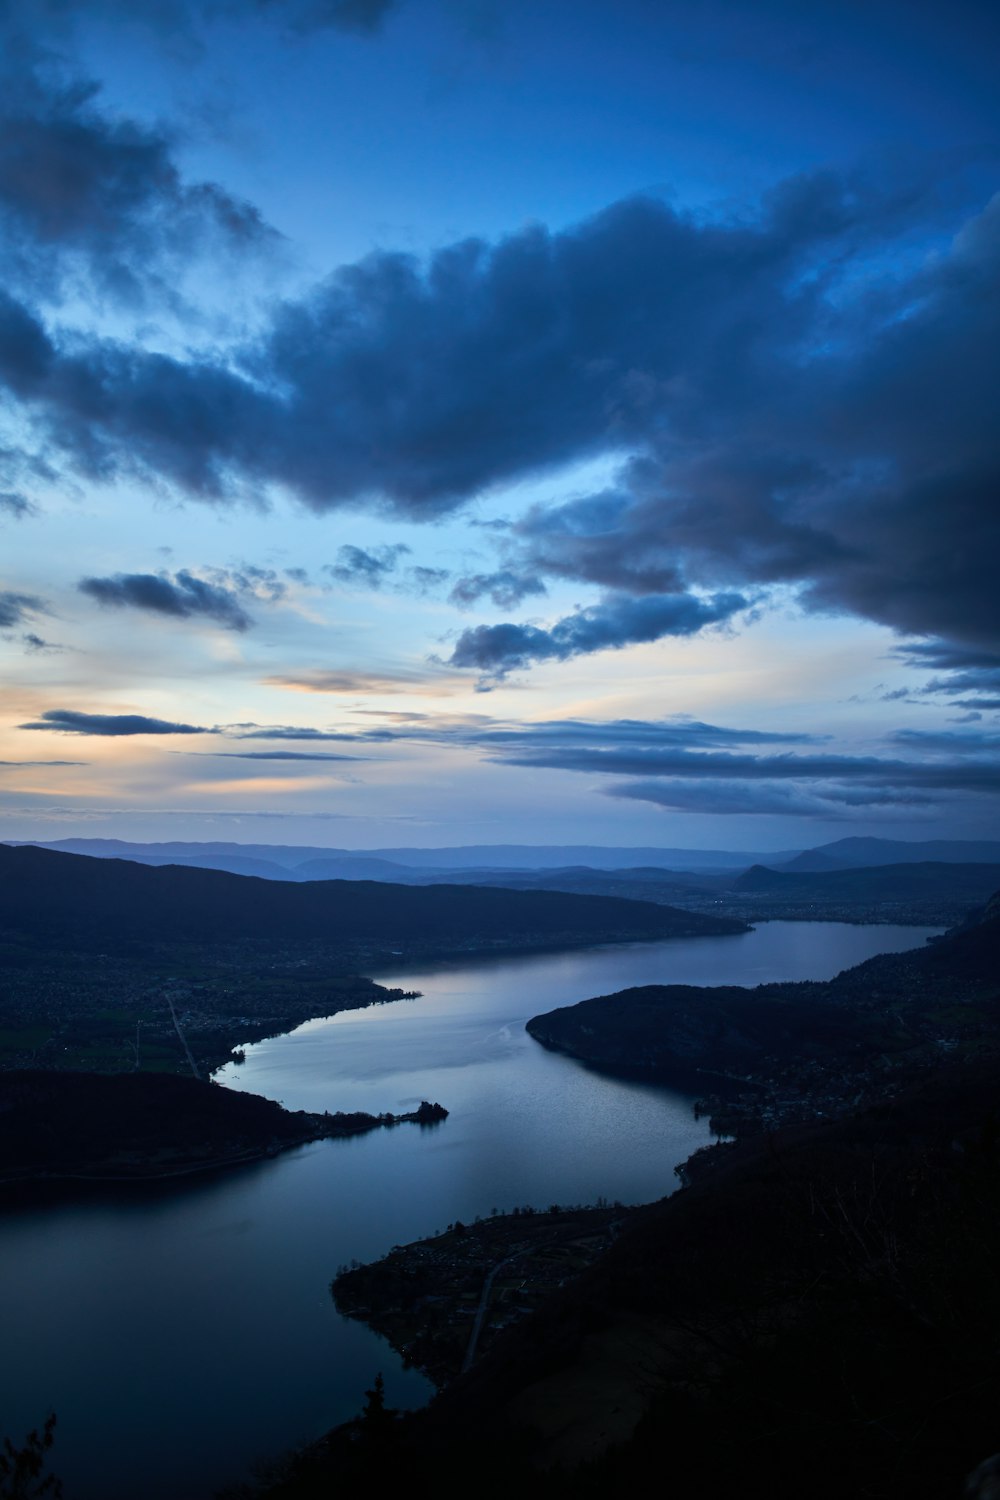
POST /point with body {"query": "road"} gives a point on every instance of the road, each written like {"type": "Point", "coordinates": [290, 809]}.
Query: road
{"type": "Point", "coordinates": [484, 1301]}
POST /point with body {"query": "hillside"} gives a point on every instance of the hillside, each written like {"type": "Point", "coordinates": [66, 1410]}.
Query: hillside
{"type": "Point", "coordinates": [780, 1051]}
{"type": "Point", "coordinates": [68, 898]}
{"type": "Point", "coordinates": [109, 965]}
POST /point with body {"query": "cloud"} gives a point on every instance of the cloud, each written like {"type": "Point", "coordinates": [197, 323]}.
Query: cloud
{"type": "Point", "coordinates": [948, 742]}
{"type": "Point", "coordinates": [799, 785]}
{"type": "Point", "coordinates": [14, 765]}
{"type": "Point", "coordinates": [370, 569]}
{"type": "Point", "coordinates": [957, 776]}
{"type": "Point", "coordinates": [17, 609]}
{"type": "Point", "coordinates": [180, 597]}
{"type": "Point", "coordinates": [422, 580]}
{"type": "Point", "coordinates": [70, 721]}
{"type": "Point", "coordinates": [361, 17]}
{"type": "Point", "coordinates": [430, 680]}
{"type": "Point", "coordinates": [479, 731]}
{"type": "Point", "coordinates": [278, 754]}
{"type": "Point", "coordinates": [760, 799]}
{"type": "Point", "coordinates": [774, 380]}
{"type": "Point", "coordinates": [282, 732]}
{"type": "Point", "coordinates": [417, 386]}
{"type": "Point", "coordinates": [364, 17]}
{"type": "Point", "coordinates": [505, 588]}
{"type": "Point", "coordinates": [93, 201]}
{"type": "Point", "coordinates": [33, 642]}
{"type": "Point", "coordinates": [496, 650]}
{"type": "Point", "coordinates": [13, 503]}
{"type": "Point", "coordinates": [966, 670]}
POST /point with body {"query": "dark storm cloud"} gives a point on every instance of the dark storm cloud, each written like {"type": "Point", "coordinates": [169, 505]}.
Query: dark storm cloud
{"type": "Point", "coordinates": [496, 650]}
{"type": "Point", "coordinates": [966, 671]}
{"type": "Point", "coordinates": [70, 721]}
{"type": "Point", "coordinates": [943, 656]}
{"type": "Point", "coordinates": [417, 386]}
{"type": "Point", "coordinates": [805, 400]}
{"type": "Point", "coordinates": [504, 587]}
{"type": "Point", "coordinates": [180, 597]}
{"type": "Point", "coordinates": [17, 609]}
{"type": "Point", "coordinates": [368, 567]}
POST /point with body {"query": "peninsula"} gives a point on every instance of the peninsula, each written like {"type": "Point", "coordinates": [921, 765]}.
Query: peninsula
{"type": "Point", "coordinates": [61, 1129]}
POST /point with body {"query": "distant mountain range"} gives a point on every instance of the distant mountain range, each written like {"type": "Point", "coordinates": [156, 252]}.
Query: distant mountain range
{"type": "Point", "coordinates": [859, 853]}
{"type": "Point", "coordinates": [305, 862]}
{"type": "Point", "coordinates": [477, 862]}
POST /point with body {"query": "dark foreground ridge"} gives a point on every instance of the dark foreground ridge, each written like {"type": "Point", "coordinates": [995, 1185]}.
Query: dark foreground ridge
{"type": "Point", "coordinates": [65, 1128]}
{"type": "Point", "coordinates": [814, 1315]}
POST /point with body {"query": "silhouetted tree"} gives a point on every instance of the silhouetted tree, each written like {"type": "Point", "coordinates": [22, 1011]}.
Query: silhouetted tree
{"type": "Point", "coordinates": [374, 1414]}
{"type": "Point", "coordinates": [21, 1476]}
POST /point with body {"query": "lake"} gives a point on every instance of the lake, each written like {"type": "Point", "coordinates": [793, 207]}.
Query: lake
{"type": "Point", "coordinates": [178, 1332]}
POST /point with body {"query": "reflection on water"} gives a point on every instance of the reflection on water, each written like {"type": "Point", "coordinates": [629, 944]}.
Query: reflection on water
{"type": "Point", "coordinates": [179, 1332]}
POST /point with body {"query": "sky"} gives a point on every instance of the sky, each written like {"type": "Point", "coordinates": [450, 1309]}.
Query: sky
{"type": "Point", "coordinates": [427, 422]}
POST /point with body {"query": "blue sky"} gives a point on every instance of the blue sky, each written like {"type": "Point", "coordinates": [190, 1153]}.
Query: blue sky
{"type": "Point", "coordinates": [437, 422]}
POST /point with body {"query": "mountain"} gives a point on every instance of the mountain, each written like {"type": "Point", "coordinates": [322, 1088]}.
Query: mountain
{"type": "Point", "coordinates": [967, 884]}
{"type": "Point", "coordinates": [857, 853]}
{"type": "Point", "coordinates": [62, 899]}
{"type": "Point", "coordinates": [594, 856]}
{"type": "Point", "coordinates": [393, 863]}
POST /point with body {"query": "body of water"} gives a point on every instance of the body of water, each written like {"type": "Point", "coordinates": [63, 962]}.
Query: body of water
{"type": "Point", "coordinates": [179, 1332]}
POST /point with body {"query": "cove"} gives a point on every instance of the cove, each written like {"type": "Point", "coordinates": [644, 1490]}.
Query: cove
{"type": "Point", "coordinates": [179, 1332]}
